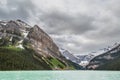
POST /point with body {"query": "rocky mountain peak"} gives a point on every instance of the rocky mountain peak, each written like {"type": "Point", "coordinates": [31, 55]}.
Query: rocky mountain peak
{"type": "Point", "coordinates": [20, 31]}
{"type": "Point", "coordinates": [42, 41]}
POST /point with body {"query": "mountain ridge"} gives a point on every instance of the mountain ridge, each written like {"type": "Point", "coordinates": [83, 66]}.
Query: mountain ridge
{"type": "Point", "coordinates": [19, 37]}
{"type": "Point", "coordinates": [107, 60]}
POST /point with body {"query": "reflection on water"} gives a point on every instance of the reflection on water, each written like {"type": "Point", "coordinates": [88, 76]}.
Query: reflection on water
{"type": "Point", "coordinates": [60, 75]}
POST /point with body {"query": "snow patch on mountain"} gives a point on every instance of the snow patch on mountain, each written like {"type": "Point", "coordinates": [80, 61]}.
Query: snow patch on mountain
{"type": "Point", "coordinates": [3, 23]}
{"type": "Point", "coordinates": [20, 46]}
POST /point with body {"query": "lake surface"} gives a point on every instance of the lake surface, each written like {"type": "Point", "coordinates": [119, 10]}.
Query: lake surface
{"type": "Point", "coordinates": [59, 75]}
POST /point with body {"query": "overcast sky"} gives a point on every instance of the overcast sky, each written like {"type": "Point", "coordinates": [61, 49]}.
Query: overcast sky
{"type": "Point", "coordinates": [80, 26]}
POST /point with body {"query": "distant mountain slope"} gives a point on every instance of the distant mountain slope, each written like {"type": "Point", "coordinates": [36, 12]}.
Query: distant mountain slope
{"type": "Point", "coordinates": [85, 59]}
{"type": "Point", "coordinates": [23, 47]}
{"type": "Point", "coordinates": [69, 56]}
{"type": "Point", "coordinates": [109, 60]}
{"type": "Point", "coordinates": [111, 65]}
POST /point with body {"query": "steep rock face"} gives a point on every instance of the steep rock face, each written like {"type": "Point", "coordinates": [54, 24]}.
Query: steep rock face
{"type": "Point", "coordinates": [42, 42]}
{"type": "Point", "coordinates": [107, 60]}
{"type": "Point", "coordinates": [12, 32]}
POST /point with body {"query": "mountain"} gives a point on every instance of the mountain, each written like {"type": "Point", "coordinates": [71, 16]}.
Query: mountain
{"type": "Point", "coordinates": [85, 59]}
{"type": "Point", "coordinates": [81, 60]}
{"type": "Point", "coordinates": [110, 60]}
{"type": "Point", "coordinates": [23, 47]}
{"type": "Point", "coordinates": [69, 56]}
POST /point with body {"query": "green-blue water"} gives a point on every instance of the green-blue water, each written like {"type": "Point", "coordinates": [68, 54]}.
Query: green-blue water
{"type": "Point", "coordinates": [60, 75]}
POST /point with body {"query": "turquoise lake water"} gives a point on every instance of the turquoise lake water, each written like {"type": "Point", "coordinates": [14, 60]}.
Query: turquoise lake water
{"type": "Point", "coordinates": [59, 75]}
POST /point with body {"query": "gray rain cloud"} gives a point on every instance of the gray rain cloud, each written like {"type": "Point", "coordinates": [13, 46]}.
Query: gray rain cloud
{"type": "Point", "coordinates": [63, 23]}
{"type": "Point", "coordinates": [80, 26]}
{"type": "Point", "coordinates": [16, 9]}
